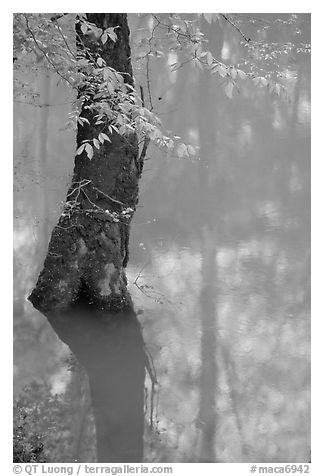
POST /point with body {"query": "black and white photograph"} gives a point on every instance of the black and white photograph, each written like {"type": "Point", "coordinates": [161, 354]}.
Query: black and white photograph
{"type": "Point", "coordinates": [161, 240]}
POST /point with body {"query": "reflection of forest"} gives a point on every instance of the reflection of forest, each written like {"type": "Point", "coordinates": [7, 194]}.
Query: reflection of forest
{"type": "Point", "coordinates": [228, 255]}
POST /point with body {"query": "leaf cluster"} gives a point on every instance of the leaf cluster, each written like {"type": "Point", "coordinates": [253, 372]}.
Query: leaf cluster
{"type": "Point", "coordinates": [42, 40]}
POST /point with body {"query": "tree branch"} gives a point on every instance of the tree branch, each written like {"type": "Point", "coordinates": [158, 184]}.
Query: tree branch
{"type": "Point", "coordinates": [45, 54]}
{"type": "Point", "coordinates": [109, 197]}
{"type": "Point", "coordinates": [230, 21]}
{"type": "Point", "coordinates": [147, 140]}
{"type": "Point", "coordinates": [64, 39]}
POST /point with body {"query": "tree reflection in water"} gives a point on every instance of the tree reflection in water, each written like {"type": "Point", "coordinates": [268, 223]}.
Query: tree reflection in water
{"type": "Point", "coordinates": [110, 347]}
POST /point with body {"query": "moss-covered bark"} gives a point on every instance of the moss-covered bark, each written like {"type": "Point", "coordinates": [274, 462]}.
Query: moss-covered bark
{"type": "Point", "coordinates": [88, 250]}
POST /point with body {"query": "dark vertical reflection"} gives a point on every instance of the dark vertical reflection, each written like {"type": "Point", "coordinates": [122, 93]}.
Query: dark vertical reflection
{"type": "Point", "coordinates": [208, 373]}
{"type": "Point", "coordinates": [110, 347]}
{"type": "Point", "coordinates": [208, 242]}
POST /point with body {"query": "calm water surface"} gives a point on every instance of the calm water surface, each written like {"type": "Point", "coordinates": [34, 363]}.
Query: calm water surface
{"type": "Point", "coordinates": [219, 273]}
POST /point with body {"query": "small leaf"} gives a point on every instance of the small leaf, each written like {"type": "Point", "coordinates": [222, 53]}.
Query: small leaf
{"type": "Point", "coordinates": [191, 150]}
{"type": "Point", "coordinates": [95, 30]}
{"type": "Point", "coordinates": [170, 144]}
{"type": "Point", "coordinates": [81, 120]}
{"type": "Point", "coordinates": [182, 150]}
{"type": "Point", "coordinates": [89, 150]}
{"type": "Point", "coordinates": [229, 90]}
{"type": "Point", "coordinates": [84, 28]}
{"type": "Point", "coordinates": [120, 119]}
{"type": "Point", "coordinates": [106, 73]}
{"type": "Point", "coordinates": [209, 58]}
{"type": "Point", "coordinates": [96, 143]}
{"type": "Point", "coordinates": [100, 62]}
{"type": "Point", "coordinates": [112, 34]}
{"type": "Point", "coordinates": [119, 77]}
{"type": "Point", "coordinates": [241, 74]}
{"type": "Point", "coordinates": [80, 149]}
{"type": "Point", "coordinates": [105, 137]}
{"type": "Point", "coordinates": [110, 88]}
{"type": "Point", "coordinates": [233, 73]}
{"type": "Point", "coordinates": [222, 70]}
{"type": "Point", "coordinates": [104, 38]}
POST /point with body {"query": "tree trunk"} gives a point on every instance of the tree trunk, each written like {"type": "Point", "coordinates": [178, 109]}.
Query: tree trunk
{"type": "Point", "coordinates": [82, 288]}
{"type": "Point", "coordinates": [88, 250]}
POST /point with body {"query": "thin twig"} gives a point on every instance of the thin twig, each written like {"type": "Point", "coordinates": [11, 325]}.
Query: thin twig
{"type": "Point", "coordinates": [147, 67]}
{"type": "Point", "coordinates": [109, 197]}
{"type": "Point", "coordinates": [178, 32]}
{"type": "Point", "coordinates": [68, 227]}
{"type": "Point", "coordinates": [55, 255]}
{"type": "Point", "coordinates": [96, 206]}
{"type": "Point", "coordinates": [42, 105]}
{"type": "Point", "coordinates": [142, 96]}
{"type": "Point", "coordinates": [148, 82]}
{"type": "Point", "coordinates": [64, 39]}
{"type": "Point", "coordinates": [230, 21]}
{"type": "Point", "coordinates": [147, 140]}
{"type": "Point", "coordinates": [45, 54]}
{"type": "Point", "coordinates": [139, 274]}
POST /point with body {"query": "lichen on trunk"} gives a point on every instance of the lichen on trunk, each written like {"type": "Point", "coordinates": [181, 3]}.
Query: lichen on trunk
{"type": "Point", "coordinates": [88, 249]}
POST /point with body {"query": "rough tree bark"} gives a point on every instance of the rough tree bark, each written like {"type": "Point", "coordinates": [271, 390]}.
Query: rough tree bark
{"type": "Point", "coordinates": [88, 251]}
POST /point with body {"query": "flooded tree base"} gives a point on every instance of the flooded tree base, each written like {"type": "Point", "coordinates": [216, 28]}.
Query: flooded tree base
{"type": "Point", "coordinates": [85, 258]}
